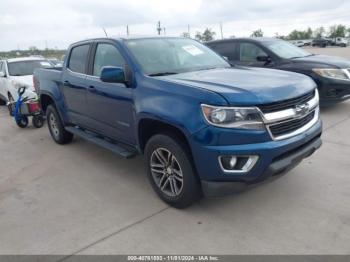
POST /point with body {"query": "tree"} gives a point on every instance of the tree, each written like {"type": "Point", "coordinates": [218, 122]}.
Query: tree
{"type": "Point", "coordinates": [337, 31]}
{"type": "Point", "coordinates": [207, 35]}
{"type": "Point", "coordinates": [319, 32]}
{"type": "Point", "coordinates": [257, 33]}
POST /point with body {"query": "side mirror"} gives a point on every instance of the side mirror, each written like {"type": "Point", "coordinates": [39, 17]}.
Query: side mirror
{"type": "Point", "coordinates": [2, 74]}
{"type": "Point", "coordinates": [112, 74]}
{"type": "Point", "coordinates": [263, 58]}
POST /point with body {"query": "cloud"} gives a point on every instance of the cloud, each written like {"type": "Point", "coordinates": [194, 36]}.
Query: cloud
{"type": "Point", "coordinates": [58, 23]}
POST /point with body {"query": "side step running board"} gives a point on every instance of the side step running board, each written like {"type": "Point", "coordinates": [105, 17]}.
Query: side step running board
{"type": "Point", "coordinates": [116, 148]}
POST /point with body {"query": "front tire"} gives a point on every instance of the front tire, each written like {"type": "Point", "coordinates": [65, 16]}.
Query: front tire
{"type": "Point", "coordinates": [170, 171]}
{"type": "Point", "coordinates": [11, 101]}
{"type": "Point", "coordinates": [22, 121]}
{"type": "Point", "coordinates": [56, 127]}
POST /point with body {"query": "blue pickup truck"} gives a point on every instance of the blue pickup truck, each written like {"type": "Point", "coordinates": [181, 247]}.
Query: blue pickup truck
{"type": "Point", "coordinates": [203, 125]}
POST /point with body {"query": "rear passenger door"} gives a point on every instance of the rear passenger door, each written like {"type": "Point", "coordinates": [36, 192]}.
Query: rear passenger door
{"type": "Point", "coordinates": [74, 84]}
{"type": "Point", "coordinates": [228, 50]}
{"type": "Point", "coordinates": [110, 104]}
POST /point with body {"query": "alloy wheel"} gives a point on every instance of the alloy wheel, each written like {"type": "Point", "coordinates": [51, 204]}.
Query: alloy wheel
{"type": "Point", "coordinates": [166, 172]}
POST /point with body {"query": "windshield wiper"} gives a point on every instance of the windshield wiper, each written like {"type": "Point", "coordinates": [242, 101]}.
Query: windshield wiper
{"type": "Point", "coordinates": [163, 74]}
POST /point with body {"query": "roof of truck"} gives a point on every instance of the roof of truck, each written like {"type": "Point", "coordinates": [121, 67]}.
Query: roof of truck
{"type": "Point", "coordinates": [21, 59]}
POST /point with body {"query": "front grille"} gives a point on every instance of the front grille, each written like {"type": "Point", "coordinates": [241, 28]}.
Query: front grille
{"type": "Point", "coordinates": [290, 126]}
{"type": "Point", "coordinates": [289, 103]}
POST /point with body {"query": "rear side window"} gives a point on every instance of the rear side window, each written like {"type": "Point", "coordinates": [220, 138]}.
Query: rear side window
{"type": "Point", "coordinates": [228, 50]}
{"type": "Point", "coordinates": [78, 58]}
{"type": "Point", "coordinates": [106, 55]}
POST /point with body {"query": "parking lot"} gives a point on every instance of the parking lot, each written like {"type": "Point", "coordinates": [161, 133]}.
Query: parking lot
{"type": "Point", "coordinates": [81, 199]}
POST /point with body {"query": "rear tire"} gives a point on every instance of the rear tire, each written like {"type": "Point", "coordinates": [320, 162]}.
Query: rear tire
{"type": "Point", "coordinates": [171, 172]}
{"type": "Point", "coordinates": [56, 127]}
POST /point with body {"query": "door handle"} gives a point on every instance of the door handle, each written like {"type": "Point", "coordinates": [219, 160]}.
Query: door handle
{"type": "Point", "coordinates": [91, 87]}
{"type": "Point", "coordinates": [66, 83]}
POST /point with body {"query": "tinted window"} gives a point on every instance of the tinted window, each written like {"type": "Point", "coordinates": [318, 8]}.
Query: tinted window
{"type": "Point", "coordinates": [106, 55]}
{"type": "Point", "coordinates": [249, 52]}
{"type": "Point", "coordinates": [78, 58]}
{"type": "Point", "coordinates": [228, 50]}
{"type": "Point", "coordinates": [23, 68]}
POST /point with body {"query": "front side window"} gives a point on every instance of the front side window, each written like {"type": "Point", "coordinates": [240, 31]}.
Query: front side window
{"type": "Point", "coordinates": [23, 68]}
{"type": "Point", "coordinates": [106, 55]}
{"type": "Point", "coordinates": [249, 52]}
{"type": "Point", "coordinates": [173, 55]}
{"type": "Point", "coordinates": [78, 58]}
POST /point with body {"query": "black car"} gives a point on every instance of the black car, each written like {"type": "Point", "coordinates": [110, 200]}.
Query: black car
{"type": "Point", "coordinates": [331, 74]}
{"type": "Point", "coordinates": [321, 42]}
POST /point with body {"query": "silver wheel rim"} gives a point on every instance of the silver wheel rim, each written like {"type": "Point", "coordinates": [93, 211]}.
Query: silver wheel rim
{"type": "Point", "coordinates": [53, 126]}
{"type": "Point", "coordinates": [166, 172]}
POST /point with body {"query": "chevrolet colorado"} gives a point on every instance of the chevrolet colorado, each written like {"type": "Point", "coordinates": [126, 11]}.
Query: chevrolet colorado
{"type": "Point", "coordinates": [203, 125]}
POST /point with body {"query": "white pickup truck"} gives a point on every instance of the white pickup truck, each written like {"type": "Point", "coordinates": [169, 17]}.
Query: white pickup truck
{"type": "Point", "coordinates": [17, 72]}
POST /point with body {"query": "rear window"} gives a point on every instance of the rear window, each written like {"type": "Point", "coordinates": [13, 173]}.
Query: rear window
{"type": "Point", "coordinates": [78, 58]}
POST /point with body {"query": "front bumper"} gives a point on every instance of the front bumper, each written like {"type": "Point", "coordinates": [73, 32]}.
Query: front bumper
{"type": "Point", "coordinates": [274, 157]}
{"type": "Point", "coordinates": [333, 91]}
{"type": "Point", "coordinates": [279, 166]}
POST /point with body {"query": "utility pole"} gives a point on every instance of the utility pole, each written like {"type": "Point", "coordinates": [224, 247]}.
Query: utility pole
{"type": "Point", "coordinates": [188, 31]}
{"type": "Point", "coordinates": [104, 30]}
{"type": "Point", "coordinates": [127, 30]}
{"type": "Point", "coordinates": [159, 29]}
{"type": "Point", "coordinates": [222, 35]}
{"type": "Point", "coordinates": [164, 31]}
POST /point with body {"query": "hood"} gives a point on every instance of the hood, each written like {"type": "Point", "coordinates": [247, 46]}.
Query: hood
{"type": "Point", "coordinates": [325, 60]}
{"type": "Point", "coordinates": [247, 86]}
{"type": "Point", "coordinates": [24, 80]}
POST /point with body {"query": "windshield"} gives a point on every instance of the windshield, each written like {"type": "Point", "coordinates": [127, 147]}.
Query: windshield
{"type": "Point", "coordinates": [173, 55]}
{"type": "Point", "coordinates": [26, 67]}
{"type": "Point", "coordinates": [286, 50]}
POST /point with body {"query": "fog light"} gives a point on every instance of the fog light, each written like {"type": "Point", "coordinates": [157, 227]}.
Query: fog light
{"type": "Point", "coordinates": [237, 164]}
{"type": "Point", "coordinates": [233, 161]}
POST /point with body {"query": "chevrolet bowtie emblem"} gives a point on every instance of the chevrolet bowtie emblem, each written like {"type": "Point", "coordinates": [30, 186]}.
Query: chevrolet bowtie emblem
{"type": "Point", "coordinates": [302, 109]}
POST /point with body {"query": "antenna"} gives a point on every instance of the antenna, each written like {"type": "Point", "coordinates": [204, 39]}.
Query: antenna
{"type": "Point", "coordinates": [104, 30]}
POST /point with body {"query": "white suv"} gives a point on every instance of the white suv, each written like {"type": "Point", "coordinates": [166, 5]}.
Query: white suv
{"type": "Point", "coordinates": [18, 72]}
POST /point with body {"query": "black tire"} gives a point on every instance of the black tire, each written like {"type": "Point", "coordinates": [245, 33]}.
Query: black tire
{"type": "Point", "coordinates": [22, 121]}
{"type": "Point", "coordinates": [38, 121]}
{"type": "Point", "coordinates": [56, 127]}
{"type": "Point", "coordinates": [190, 190]}
{"type": "Point", "coordinates": [11, 100]}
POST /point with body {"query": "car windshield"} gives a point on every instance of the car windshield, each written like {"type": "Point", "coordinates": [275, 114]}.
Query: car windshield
{"type": "Point", "coordinates": [285, 50]}
{"type": "Point", "coordinates": [162, 56]}
{"type": "Point", "coordinates": [23, 68]}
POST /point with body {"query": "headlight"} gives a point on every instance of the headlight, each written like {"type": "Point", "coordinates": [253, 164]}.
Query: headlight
{"type": "Point", "coordinates": [332, 73]}
{"type": "Point", "coordinates": [233, 117]}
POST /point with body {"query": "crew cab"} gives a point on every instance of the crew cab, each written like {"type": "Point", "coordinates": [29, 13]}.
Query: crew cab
{"type": "Point", "coordinates": [331, 74]}
{"type": "Point", "coordinates": [202, 125]}
{"type": "Point", "coordinates": [18, 72]}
